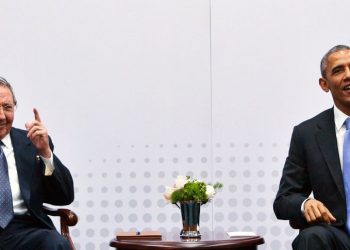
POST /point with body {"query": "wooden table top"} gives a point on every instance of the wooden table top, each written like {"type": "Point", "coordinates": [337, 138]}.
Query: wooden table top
{"type": "Point", "coordinates": [205, 242]}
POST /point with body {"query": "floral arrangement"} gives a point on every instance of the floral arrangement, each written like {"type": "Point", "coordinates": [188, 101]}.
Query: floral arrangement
{"type": "Point", "coordinates": [189, 189]}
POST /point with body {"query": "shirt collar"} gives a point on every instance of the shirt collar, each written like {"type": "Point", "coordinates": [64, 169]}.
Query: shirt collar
{"type": "Point", "coordinates": [339, 118]}
{"type": "Point", "coordinates": [7, 141]}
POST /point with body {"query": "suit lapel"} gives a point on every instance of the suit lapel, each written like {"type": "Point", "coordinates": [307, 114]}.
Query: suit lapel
{"type": "Point", "coordinates": [21, 147]}
{"type": "Point", "coordinates": [327, 141]}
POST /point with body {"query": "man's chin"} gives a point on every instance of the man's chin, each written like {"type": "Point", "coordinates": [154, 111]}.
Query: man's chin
{"type": "Point", "coordinates": [3, 132]}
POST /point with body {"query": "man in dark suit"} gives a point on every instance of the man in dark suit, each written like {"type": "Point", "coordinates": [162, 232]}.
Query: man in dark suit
{"type": "Point", "coordinates": [311, 191]}
{"type": "Point", "coordinates": [35, 176]}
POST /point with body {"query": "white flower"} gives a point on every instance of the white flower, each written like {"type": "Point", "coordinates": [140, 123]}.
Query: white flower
{"type": "Point", "coordinates": [184, 184]}
{"type": "Point", "coordinates": [168, 192]}
{"type": "Point", "coordinates": [210, 192]}
{"type": "Point", "coordinates": [180, 182]}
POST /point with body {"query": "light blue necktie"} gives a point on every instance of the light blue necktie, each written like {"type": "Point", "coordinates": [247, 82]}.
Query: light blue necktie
{"type": "Point", "coordinates": [6, 207]}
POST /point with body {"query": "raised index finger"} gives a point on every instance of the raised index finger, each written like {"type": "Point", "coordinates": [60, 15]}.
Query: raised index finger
{"type": "Point", "coordinates": [36, 115]}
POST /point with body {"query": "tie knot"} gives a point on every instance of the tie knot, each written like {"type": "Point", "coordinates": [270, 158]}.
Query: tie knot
{"type": "Point", "coordinates": [347, 123]}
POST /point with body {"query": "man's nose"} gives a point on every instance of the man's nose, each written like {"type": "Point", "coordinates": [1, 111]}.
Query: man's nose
{"type": "Point", "coordinates": [347, 72]}
{"type": "Point", "coordinates": [2, 113]}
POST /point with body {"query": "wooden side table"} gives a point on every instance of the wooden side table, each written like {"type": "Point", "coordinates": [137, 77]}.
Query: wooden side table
{"type": "Point", "coordinates": [205, 243]}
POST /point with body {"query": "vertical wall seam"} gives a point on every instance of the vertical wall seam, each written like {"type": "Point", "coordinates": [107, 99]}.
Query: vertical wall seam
{"type": "Point", "coordinates": [211, 107]}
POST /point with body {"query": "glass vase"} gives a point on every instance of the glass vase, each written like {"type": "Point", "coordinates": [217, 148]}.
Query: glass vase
{"type": "Point", "coordinates": [190, 213]}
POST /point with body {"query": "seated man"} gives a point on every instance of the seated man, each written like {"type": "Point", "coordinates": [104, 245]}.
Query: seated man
{"type": "Point", "coordinates": [30, 175]}
{"type": "Point", "coordinates": [319, 162]}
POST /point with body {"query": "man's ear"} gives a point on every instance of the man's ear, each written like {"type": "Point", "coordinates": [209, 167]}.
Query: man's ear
{"type": "Point", "coordinates": [323, 84]}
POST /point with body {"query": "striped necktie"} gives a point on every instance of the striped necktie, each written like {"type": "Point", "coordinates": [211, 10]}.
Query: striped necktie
{"type": "Point", "coordinates": [6, 206]}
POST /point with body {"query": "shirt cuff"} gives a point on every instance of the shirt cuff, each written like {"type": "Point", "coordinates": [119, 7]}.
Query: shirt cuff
{"type": "Point", "coordinates": [49, 167]}
{"type": "Point", "coordinates": [302, 204]}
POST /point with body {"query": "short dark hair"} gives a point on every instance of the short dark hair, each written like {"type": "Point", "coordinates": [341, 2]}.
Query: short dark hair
{"type": "Point", "coordinates": [324, 60]}
{"type": "Point", "coordinates": [4, 83]}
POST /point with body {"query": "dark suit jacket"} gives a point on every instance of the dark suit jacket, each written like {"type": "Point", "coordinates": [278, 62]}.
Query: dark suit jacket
{"type": "Point", "coordinates": [312, 165]}
{"type": "Point", "coordinates": [36, 188]}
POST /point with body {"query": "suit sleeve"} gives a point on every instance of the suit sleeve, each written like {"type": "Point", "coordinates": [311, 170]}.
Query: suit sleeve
{"type": "Point", "coordinates": [59, 188]}
{"type": "Point", "coordinates": [294, 186]}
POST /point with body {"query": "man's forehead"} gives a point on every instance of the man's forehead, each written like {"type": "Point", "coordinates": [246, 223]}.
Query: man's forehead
{"type": "Point", "coordinates": [5, 94]}
{"type": "Point", "coordinates": [341, 54]}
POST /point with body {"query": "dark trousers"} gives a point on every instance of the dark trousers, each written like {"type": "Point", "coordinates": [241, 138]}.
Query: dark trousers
{"type": "Point", "coordinates": [26, 233]}
{"type": "Point", "coordinates": [322, 237]}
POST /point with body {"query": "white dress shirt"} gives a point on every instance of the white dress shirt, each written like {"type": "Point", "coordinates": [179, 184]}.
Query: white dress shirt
{"type": "Point", "coordinates": [339, 119]}
{"type": "Point", "coordinates": [18, 203]}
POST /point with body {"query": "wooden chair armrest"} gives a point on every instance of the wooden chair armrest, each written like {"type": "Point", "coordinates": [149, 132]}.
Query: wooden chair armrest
{"type": "Point", "coordinates": [67, 218]}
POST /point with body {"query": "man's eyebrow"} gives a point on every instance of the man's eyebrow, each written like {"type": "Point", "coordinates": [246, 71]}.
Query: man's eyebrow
{"type": "Point", "coordinates": [7, 103]}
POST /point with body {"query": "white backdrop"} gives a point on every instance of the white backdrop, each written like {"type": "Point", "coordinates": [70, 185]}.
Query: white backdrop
{"type": "Point", "coordinates": [135, 92]}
